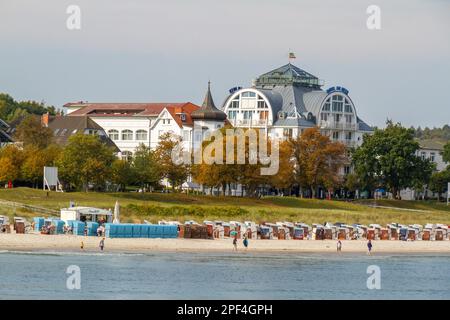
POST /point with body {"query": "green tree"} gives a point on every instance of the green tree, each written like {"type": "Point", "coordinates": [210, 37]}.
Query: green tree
{"type": "Point", "coordinates": [146, 167]}
{"type": "Point", "coordinates": [31, 133]}
{"type": "Point", "coordinates": [11, 159]}
{"type": "Point", "coordinates": [35, 159]}
{"type": "Point", "coordinates": [122, 174]}
{"type": "Point", "coordinates": [446, 153]}
{"type": "Point", "coordinates": [388, 158]}
{"type": "Point", "coordinates": [175, 173]}
{"type": "Point", "coordinates": [86, 160]}
{"type": "Point", "coordinates": [439, 182]}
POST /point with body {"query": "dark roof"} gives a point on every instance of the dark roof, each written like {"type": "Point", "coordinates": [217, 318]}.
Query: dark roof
{"type": "Point", "coordinates": [4, 136]}
{"type": "Point", "coordinates": [64, 127]}
{"type": "Point", "coordinates": [288, 75]}
{"type": "Point", "coordinates": [432, 144]}
{"type": "Point", "coordinates": [208, 111]}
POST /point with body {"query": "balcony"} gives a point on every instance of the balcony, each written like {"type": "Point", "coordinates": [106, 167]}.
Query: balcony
{"type": "Point", "coordinates": [250, 122]}
{"type": "Point", "coordinates": [337, 125]}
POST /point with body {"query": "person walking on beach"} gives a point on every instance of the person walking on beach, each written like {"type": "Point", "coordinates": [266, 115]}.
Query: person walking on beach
{"type": "Point", "coordinates": [82, 245]}
{"type": "Point", "coordinates": [369, 246]}
{"type": "Point", "coordinates": [102, 244]}
{"type": "Point", "coordinates": [235, 243]}
{"type": "Point", "coordinates": [339, 246]}
{"type": "Point", "coordinates": [245, 242]}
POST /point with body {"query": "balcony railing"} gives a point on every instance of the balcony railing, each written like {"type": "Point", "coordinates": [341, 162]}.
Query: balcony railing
{"type": "Point", "coordinates": [250, 122]}
{"type": "Point", "coordinates": [337, 125]}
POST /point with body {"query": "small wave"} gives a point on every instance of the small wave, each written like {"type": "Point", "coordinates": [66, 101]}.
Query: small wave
{"type": "Point", "coordinates": [70, 253]}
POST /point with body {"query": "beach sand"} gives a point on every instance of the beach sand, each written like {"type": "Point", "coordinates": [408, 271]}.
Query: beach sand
{"type": "Point", "coordinates": [36, 242]}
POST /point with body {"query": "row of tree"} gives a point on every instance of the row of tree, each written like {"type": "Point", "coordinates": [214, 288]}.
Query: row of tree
{"type": "Point", "coordinates": [386, 159]}
{"type": "Point", "coordinates": [11, 109]}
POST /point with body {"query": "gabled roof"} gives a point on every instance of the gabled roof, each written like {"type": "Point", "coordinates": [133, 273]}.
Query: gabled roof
{"type": "Point", "coordinates": [288, 75]}
{"type": "Point", "coordinates": [120, 109]}
{"type": "Point", "coordinates": [186, 109]}
{"type": "Point", "coordinates": [64, 127]}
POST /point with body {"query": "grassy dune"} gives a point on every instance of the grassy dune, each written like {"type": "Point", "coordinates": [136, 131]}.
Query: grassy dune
{"type": "Point", "coordinates": [136, 207]}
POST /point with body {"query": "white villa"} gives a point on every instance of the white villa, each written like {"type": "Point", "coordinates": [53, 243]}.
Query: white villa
{"type": "Point", "coordinates": [132, 124]}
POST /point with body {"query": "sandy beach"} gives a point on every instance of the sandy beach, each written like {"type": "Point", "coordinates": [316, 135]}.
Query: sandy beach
{"type": "Point", "coordinates": [35, 242]}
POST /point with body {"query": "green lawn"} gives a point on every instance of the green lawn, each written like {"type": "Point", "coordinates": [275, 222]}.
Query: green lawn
{"type": "Point", "coordinates": [136, 207]}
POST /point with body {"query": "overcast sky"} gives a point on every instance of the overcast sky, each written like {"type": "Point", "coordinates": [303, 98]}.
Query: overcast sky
{"type": "Point", "coordinates": [166, 50]}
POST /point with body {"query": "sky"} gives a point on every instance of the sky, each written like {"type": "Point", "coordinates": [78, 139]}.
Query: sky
{"type": "Point", "coordinates": [167, 50]}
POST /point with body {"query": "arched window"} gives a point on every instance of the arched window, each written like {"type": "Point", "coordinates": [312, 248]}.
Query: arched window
{"type": "Point", "coordinates": [127, 134]}
{"type": "Point", "coordinates": [141, 135]}
{"type": "Point", "coordinates": [113, 134]}
{"type": "Point", "coordinates": [127, 155]}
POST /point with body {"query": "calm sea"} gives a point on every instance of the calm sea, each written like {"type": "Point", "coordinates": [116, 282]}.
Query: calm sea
{"type": "Point", "coordinates": [222, 276]}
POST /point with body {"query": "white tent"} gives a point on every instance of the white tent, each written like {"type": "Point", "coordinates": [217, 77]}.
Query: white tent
{"type": "Point", "coordinates": [116, 213]}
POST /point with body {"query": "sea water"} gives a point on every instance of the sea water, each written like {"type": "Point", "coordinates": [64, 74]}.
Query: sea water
{"type": "Point", "coordinates": [42, 275]}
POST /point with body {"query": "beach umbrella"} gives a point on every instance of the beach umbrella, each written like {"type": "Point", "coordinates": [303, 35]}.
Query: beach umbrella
{"type": "Point", "coordinates": [116, 213]}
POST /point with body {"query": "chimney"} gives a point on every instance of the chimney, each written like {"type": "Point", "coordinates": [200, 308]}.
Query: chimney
{"type": "Point", "coordinates": [44, 119]}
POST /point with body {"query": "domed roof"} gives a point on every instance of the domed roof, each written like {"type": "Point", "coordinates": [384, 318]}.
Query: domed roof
{"type": "Point", "coordinates": [208, 111]}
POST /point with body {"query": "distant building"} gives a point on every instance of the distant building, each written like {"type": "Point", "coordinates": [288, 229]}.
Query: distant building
{"type": "Point", "coordinates": [132, 124]}
{"type": "Point", "coordinates": [64, 127]}
{"type": "Point", "coordinates": [432, 150]}
{"type": "Point", "coordinates": [287, 100]}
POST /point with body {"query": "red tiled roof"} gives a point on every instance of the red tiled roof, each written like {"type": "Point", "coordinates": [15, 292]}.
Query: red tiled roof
{"type": "Point", "coordinates": [135, 109]}
{"type": "Point", "coordinates": [127, 109]}
{"type": "Point", "coordinates": [186, 108]}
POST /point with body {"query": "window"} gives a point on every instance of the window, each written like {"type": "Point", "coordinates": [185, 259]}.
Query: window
{"type": "Point", "coordinates": [91, 131]}
{"type": "Point", "coordinates": [248, 94]}
{"type": "Point", "coordinates": [232, 114]}
{"type": "Point", "coordinates": [348, 108]}
{"type": "Point", "coordinates": [324, 116]}
{"type": "Point", "coordinates": [423, 155]}
{"type": "Point", "coordinates": [287, 133]}
{"type": "Point", "coordinates": [326, 106]}
{"type": "Point", "coordinates": [141, 135]}
{"type": "Point", "coordinates": [235, 103]}
{"type": "Point", "coordinates": [262, 104]}
{"type": "Point", "coordinates": [348, 118]}
{"type": "Point", "coordinates": [247, 115]}
{"type": "Point", "coordinates": [127, 155]}
{"type": "Point", "coordinates": [432, 156]}
{"type": "Point", "coordinates": [337, 118]}
{"type": "Point", "coordinates": [127, 134]}
{"type": "Point", "coordinates": [113, 134]}
{"type": "Point", "coordinates": [348, 136]}
{"type": "Point", "coordinates": [335, 135]}
{"type": "Point", "coordinates": [347, 170]}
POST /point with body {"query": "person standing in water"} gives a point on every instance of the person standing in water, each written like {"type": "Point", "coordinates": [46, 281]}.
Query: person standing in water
{"type": "Point", "coordinates": [339, 246]}
{"type": "Point", "coordinates": [235, 243]}
{"type": "Point", "coordinates": [245, 241]}
{"type": "Point", "coordinates": [369, 247]}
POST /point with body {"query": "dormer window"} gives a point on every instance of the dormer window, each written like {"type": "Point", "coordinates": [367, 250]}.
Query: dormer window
{"type": "Point", "coordinates": [183, 117]}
